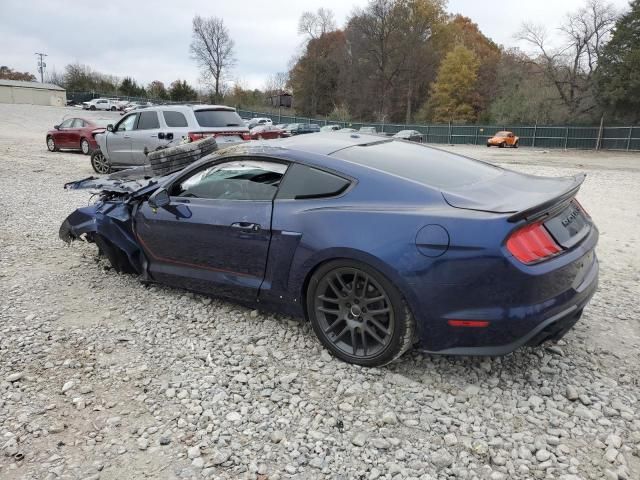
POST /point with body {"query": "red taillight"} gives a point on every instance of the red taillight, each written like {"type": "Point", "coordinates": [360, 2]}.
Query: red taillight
{"type": "Point", "coordinates": [195, 136]}
{"type": "Point", "coordinates": [246, 136]}
{"type": "Point", "coordinates": [532, 244]}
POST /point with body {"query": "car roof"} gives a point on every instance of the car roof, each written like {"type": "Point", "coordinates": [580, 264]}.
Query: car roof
{"type": "Point", "coordinates": [195, 108]}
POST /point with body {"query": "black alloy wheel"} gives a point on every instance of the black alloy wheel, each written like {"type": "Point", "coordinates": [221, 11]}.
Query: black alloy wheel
{"type": "Point", "coordinates": [358, 314]}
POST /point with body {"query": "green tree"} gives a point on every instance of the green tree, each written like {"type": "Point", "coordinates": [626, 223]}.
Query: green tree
{"type": "Point", "coordinates": [130, 88]}
{"type": "Point", "coordinates": [453, 94]}
{"type": "Point", "coordinates": [618, 74]}
{"type": "Point", "coordinates": [181, 91]}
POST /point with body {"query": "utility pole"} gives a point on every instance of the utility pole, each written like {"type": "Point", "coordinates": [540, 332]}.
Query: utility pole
{"type": "Point", "coordinates": [41, 65]}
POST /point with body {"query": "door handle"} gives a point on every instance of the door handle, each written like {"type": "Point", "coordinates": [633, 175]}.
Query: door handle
{"type": "Point", "coordinates": [252, 227]}
{"type": "Point", "coordinates": [154, 136]}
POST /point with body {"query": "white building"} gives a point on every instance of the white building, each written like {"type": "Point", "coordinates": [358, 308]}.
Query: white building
{"type": "Point", "coordinates": [35, 93]}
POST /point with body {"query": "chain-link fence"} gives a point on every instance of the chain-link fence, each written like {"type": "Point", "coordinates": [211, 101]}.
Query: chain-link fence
{"type": "Point", "coordinates": [537, 136]}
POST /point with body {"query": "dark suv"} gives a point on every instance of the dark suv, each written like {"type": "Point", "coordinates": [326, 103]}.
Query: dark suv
{"type": "Point", "coordinates": [305, 128]}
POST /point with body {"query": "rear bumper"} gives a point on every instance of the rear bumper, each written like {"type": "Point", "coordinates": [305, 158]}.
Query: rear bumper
{"type": "Point", "coordinates": [547, 319]}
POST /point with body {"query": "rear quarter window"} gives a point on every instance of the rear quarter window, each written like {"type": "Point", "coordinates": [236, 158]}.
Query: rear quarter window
{"type": "Point", "coordinates": [218, 118]}
{"type": "Point", "coordinates": [303, 182]}
{"type": "Point", "coordinates": [426, 165]}
{"type": "Point", "coordinates": [174, 119]}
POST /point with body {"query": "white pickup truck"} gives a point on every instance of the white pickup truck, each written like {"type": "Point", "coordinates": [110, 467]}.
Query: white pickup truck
{"type": "Point", "coordinates": [101, 104]}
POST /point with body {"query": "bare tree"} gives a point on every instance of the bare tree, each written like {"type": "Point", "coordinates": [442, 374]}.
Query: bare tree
{"type": "Point", "coordinates": [571, 66]}
{"type": "Point", "coordinates": [212, 48]}
{"type": "Point", "coordinates": [315, 24]}
{"type": "Point", "coordinates": [276, 83]}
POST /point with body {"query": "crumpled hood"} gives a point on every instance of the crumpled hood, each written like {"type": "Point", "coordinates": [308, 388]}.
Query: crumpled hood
{"type": "Point", "coordinates": [136, 181]}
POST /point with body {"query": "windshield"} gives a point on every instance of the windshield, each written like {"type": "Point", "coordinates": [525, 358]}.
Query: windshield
{"type": "Point", "coordinates": [218, 118]}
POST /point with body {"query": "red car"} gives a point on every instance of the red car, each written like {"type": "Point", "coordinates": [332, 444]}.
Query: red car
{"type": "Point", "coordinates": [74, 134]}
{"type": "Point", "coordinates": [267, 132]}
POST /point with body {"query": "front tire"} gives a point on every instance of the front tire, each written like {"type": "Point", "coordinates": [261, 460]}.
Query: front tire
{"type": "Point", "coordinates": [51, 144]}
{"type": "Point", "coordinates": [99, 163]}
{"type": "Point", "coordinates": [113, 109]}
{"type": "Point", "coordinates": [358, 315]}
{"type": "Point", "coordinates": [92, 107]}
{"type": "Point", "coordinates": [85, 147]}
{"type": "Point", "coordinates": [515, 145]}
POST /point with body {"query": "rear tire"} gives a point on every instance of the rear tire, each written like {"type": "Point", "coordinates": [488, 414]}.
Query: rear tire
{"type": "Point", "coordinates": [85, 147]}
{"type": "Point", "coordinates": [100, 163]}
{"type": "Point", "coordinates": [51, 144]}
{"type": "Point", "coordinates": [358, 314]}
{"type": "Point", "coordinates": [113, 109]}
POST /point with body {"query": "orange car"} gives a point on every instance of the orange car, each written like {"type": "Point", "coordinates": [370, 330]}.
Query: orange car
{"type": "Point", "coordinates": [503, 139]}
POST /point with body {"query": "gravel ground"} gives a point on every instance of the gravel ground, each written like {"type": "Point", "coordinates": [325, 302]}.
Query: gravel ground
{"type": "Point", "coordinates": [103, 377]}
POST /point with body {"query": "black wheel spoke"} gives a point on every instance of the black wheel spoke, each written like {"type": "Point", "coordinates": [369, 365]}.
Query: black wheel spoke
{"type": "Point", "coordinates": [379, 311]}
{"type": "Point", "coordinates": [363, 334]}
{"type": "Point", "coordinates": [342, 333]}
{"type": "Point", "coordinates": [330, 311]}
{"type": "Point", "coordinates": [375, 336]}
{"type": "Point", "coordinates": [324, 298]}
{"type": "Point", "coordinates": [378, 325]}
{"type": "Point", "coordinates": [333, 326]}
{"type": "Point", "coordinates": [343, 285]}
{"type": "Point", "coordinates": [369, 301]}
{"type": "Point", "coordinates": [354, 343]}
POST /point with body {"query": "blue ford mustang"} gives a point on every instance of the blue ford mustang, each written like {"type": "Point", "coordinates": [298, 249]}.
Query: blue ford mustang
{"type": "Point", "coordinates": [380, 243]}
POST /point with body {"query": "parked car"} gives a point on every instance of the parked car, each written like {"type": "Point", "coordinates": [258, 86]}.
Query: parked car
{"type": "Point", "coordinates": [290, 126]}
{"type": "Point", "coordinates": [282, 126]}
{"type": "Point", "coordinates": [254, 122]}
{"type": "Point", "coordinates": [411, 135]}
{"type": "Point", "coordinates": [75, 134]}
{"type": "Point", "coordinates": [302, 128]}
{"type": "Point", "coordinates": [369, 130]}
{"type": "Point", "coordinates": [504, 139]}
{"type": "Point", "coordinates": [451, 254]}
{"type": "Point", "coordinates": [126, 143]}
{"type": "Point", "coordinates": [100, 104]}
{"type": "Point", "coordinates": [330, 128]}
{"type": "Point", "coordinates": [138, 106]}
{"type": "Point", "coordinates": [267, 132]}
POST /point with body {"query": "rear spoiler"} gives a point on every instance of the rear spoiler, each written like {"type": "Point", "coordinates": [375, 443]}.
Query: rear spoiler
{"type": "Point", "coordinates": [554, 203]}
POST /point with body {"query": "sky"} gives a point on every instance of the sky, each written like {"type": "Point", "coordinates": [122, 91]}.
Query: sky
{"type": "Point", "coordinates": [149, 39]}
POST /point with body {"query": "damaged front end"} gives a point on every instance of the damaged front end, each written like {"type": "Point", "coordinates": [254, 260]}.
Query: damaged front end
{"type": "Point", "coordinates": [109, 221]}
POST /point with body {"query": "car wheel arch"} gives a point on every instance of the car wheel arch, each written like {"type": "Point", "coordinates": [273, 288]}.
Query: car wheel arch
{"type": "Point", "coordinates": [317, 261]}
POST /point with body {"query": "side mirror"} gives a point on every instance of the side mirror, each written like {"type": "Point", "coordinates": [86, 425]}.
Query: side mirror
{"type": "Point", "coordinates": [159, 199]}
{"type": "Point", "coordinates": [57, 127]}
{"type": "Point", "coordinates": [110, 128]}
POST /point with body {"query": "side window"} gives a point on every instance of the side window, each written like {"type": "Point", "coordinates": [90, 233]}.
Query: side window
{"type": "Point", "coordinates": [127, 123]}
{"type": "Point", "coordinates": [174, 119]}
{"type": "Point", "coordinates": [244, 179]}
{"type": "Point", "coordinates": [78, 123]}
{"type": "Point", "coordinates": [306, 182]}
{"type": "Point", "coordinates": [148, 121]}
{"type": "Point", "coordinates": [67, 123]}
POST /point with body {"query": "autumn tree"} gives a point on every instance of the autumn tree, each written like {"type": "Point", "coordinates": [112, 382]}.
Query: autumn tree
{"type": "Point", "coordinates": [181, 91]}
{"type": "Point", "coordinates": [453, 94]}
{"type": "Point", "coordinates": [213, 48]}
{"type": "Point", "coordinates": [7, 73]}
{"type": "Point", "coordinates": [618, 75]}
{"type": "Point", "coordinates": [156, 89]}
